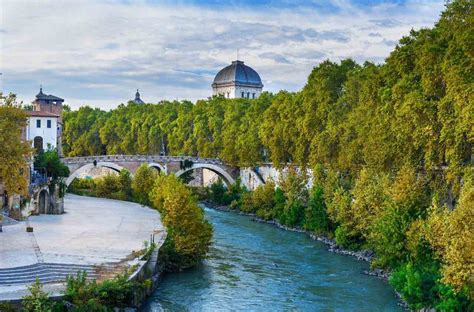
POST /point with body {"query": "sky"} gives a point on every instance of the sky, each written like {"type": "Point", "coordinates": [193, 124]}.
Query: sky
{"type": "Point", "coordinates": [98, 53]}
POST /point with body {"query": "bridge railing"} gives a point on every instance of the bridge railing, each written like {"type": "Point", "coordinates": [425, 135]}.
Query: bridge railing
{"type": "Point", "coordinates": [140, 158]}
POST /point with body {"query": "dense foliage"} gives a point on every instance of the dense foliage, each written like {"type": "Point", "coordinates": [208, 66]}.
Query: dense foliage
{"type": "Point", "coordinates": [48, 162]}
{"type": "Point", "coordinates": [390, 147]}
{"type": "Point", "coordinates": [80, 294]}
{"type": "Point", "coordinates": [13, 151]}
{"type": "Point", "coordinates": [189, 233]}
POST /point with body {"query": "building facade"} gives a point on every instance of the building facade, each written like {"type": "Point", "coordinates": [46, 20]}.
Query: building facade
{"type": "Point", "coordinates": [237, 81]}
{"type": "Point", "coordinates": [44, 127]}
{"type": "Point", "coordinates": [42, 130]}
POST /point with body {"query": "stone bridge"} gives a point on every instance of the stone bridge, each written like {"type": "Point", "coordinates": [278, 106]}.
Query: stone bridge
{"type": "Point", "coordinates": [165, 164]}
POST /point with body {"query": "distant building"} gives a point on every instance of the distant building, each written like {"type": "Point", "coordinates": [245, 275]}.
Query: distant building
{"type": "Point", "coordinates": [137, 99]}
{"type": "Point", "coordinates": [48, 103]}
{"type": "Point", "coordinates": [237, 81]}
{"type": "Point", "coordinates": [42, 129]}
{"type": "Point", "coordinates": [44, 126]}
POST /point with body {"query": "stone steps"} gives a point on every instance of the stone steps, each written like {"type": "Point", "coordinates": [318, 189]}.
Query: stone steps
{"type": "Point", "coordinates": [46, 273]}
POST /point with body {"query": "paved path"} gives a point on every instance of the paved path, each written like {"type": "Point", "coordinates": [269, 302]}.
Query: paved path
{"type": "Point", "coordinates": [92, 232]}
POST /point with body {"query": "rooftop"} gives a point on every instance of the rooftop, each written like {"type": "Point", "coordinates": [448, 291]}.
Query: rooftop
{"type": "Point", "coordinates": [238, 73]}
{"type": "Point", "coordinates": [50, 97]}
{"type": "Point", "coordinates": [41, 114]}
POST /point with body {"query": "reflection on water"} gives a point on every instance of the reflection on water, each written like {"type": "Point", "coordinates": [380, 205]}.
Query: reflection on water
{"type": "Point", "coordinates": [258, 267]}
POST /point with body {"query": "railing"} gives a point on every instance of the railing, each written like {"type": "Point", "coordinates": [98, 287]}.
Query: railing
{"type": "Point", "coordinates": [139, 158]}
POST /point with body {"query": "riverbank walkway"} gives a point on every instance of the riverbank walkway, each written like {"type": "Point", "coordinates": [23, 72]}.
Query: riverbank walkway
{"type": "Point", "coordinates": [96, 235]}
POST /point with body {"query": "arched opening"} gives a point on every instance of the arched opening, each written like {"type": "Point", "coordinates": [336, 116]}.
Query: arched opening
{"type": "Point", "coordinates": [224, 175]}
{"type": "Point", "coordinates": [43, 202]}
{"type": "Point", "coordinates": [160, 168]}
{"type": "Point", "coordinates": [38, 144]}
{"type": "Point", "coordinates": [80, 171]}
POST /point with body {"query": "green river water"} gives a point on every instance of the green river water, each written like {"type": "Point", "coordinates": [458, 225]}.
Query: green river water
{"type": "Point", "coordinates": [258, 267]}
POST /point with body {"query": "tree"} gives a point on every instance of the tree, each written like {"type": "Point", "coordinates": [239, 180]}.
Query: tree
{"type": "Point", "coordinates": [316, 217]}
{"type": "Point", "coordinates": [143, 182]}
{"type": "Point", "coordinates": [219, 193]}
{"type": "Point", "coordinates": [189, 234]}
{"type": "Point", "coordinates": [450, 235]}
{"type": "Point", "coordinates": [14, 151]}
{"type": "Point", "coordinates": [261, 201]}
{"type": "Point", "coordinates": [293, 185]}
{"type": "Point", "coordinates": [407, 202]}
{"type": "Point", "coordinates": [50, 162]}
{"type": "Point", "coordinates": [370, 194]}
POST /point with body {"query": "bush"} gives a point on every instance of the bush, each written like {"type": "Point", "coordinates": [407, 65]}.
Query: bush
{"type": "Point", "coordinates": [108, 186]}
{"type": "Point", "coordinates": [104, 296]}
{"type": "Point", "coordinates": [260, 201]}
{"type": "Point", "coordinates": [37, 300]}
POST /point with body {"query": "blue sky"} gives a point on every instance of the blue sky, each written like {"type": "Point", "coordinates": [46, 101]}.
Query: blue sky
{"type": "Point", "coordinates": [98, 53]}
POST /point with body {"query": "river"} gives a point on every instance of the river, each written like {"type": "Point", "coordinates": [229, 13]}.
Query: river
{"type": "Point", "coordinates": [258, 267]}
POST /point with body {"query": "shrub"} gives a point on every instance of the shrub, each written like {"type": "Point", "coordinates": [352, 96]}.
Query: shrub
{"type": "Point", "coordinates": [37, 300]}
{"type": "Point", "coordinates": [261, 201]}
{"type": "Point", "coordinates": [92, 296]}
{"type": "Point", "coordinates": [108, 186]}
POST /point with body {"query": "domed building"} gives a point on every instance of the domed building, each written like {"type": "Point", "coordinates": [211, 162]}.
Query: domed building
{"type": "Point", "coordinates": [237, 81]}
{"type": "Point", "coordinates": [137, 99]}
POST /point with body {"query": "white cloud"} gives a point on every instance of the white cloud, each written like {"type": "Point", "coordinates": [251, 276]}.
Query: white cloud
{"type": "Point", "coordinates": [99, 53]}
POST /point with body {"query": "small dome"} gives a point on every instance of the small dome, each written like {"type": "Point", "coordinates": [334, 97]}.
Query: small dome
{"type": "Point", "coordinates": [238, 73]}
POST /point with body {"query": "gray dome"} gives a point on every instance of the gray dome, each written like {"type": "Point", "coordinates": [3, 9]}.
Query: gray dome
{"type": "Point", "coordinates": [238, 73]}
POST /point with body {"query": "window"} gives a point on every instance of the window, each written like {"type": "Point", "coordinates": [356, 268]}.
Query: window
{"type": "Point", "coordinates": [228, 95]}
{"type": "Point", "coordinates": [48, 123]}
{"type": "Point", "coordinates": [38, 123]}
{"type": "Point", "coordinates": [243, 94]}
{"type": "Point", "coordinates": [253, 95]}
{"type": "Point", "coordinates": [248, 95]}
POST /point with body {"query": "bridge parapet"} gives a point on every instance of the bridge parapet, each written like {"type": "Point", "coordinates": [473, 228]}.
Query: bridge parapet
{"type": "Point", "coordinates": [139, 158]}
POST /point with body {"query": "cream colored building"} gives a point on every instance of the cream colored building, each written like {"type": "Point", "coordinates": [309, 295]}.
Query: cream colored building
{"type": "Point", "coordinates": [237, 81]}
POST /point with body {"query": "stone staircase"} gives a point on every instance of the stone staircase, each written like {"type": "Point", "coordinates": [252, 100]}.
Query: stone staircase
{"type": "Point", "coordinates": [45, 272]}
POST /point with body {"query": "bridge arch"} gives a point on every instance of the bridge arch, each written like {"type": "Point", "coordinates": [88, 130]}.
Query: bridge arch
{"type": "Point", "coordinates": [86, 167]}
{"type": "Point", "coordinates": [161, 168]}
{"type": "Point", "coordinates": [228, 179]}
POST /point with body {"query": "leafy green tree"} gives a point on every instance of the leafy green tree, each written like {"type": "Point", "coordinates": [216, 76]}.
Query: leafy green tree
{"type": "Point", "coordinates": [219, 193]}
{"type": "Point", "coordinates": [450, 235]}
{"type": "Point", "coordinates": [293, 184]}
{"type": "Point", "coordinates": [407, 202]}
{"type": "Point", "coordinates": [370, 194]}
{"type": "Point", "coordinates": [189, 234]}
{"type": "Point", "coordinates": [125, 181]}
{"type": "Point", "coordinates": [260, 201]}
{"type": "Point", "coordinates": [316, 217]}
{"type": "Point", "coordinates": [143, 182]}
{"type": "Point", "coordinates": [50, 162]}
{"type": "Point", "coordinates": [13, 152]}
